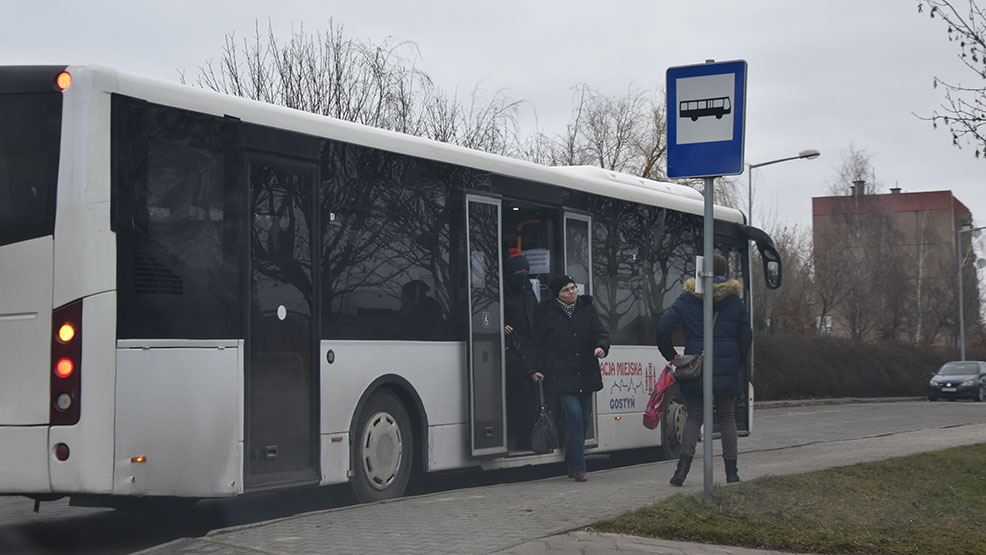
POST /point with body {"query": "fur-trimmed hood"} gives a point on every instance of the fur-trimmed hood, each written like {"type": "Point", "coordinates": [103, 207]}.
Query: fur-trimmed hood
{"type": "Point", "coordinates": [720, 290]}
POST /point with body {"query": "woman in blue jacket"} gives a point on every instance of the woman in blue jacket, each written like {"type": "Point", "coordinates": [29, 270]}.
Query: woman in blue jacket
{"type": "Point", "coordinates": [732, 337]}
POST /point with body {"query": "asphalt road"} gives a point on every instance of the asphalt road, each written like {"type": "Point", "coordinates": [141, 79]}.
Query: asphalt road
{"type": "Point", "coordinates": [59, 528]}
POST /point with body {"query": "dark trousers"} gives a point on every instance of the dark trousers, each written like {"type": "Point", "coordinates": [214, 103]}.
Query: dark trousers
{"type": "Point", "coordinates": [724, 415]}
{"type": "Point", "coordinates": [521, 409]}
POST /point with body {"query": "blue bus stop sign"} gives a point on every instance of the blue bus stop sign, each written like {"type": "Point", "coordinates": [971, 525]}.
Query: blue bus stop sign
{"type": "Point", "coordinates": [706, 123]}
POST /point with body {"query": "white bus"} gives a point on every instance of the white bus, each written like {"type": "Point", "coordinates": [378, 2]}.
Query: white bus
{"type": "Point", "coordinates": [204, 296]}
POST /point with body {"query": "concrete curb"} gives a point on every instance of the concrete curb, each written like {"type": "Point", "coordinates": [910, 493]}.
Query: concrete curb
{"type": "Point", "coordinates": [829, 401]}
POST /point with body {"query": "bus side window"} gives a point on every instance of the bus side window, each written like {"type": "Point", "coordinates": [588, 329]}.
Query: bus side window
{"type": "Point", "coordinates": [178, 258]}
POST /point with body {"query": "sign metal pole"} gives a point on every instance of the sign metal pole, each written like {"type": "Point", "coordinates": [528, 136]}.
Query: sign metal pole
{"type": "Point", "coordinates": [707, 360]}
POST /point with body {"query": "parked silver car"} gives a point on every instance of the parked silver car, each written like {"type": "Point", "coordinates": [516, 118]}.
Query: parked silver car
{"type": "Point", "coordinates": [957, 380]}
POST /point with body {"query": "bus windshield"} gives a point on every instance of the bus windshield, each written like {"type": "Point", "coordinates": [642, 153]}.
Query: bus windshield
{"type": "Point", "coordinates": [29, 142]}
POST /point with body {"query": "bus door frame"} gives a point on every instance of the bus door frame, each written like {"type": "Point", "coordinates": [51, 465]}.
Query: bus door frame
{"type": "Point", "coordinates": [484, 349]}
{"type": "Point", "coordinates": [744, 407]}
{"type": "Point", "coordinates": [568, 214]}
{"type": "Point", "coordinates": [259, 473]}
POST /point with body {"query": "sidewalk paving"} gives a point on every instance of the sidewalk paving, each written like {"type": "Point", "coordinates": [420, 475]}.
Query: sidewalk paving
{"type": "Point", "coordinates": [543, 516]}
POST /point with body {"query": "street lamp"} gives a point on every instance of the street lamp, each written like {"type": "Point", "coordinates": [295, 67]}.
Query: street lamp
{"type": "Point", "coordinates": [809, 154]}
{"type": "Point", "coordinates": [959, 259]}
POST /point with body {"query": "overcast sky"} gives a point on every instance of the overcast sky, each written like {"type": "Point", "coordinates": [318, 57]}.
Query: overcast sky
{"type": "Point", "coordinates": [821, 75]}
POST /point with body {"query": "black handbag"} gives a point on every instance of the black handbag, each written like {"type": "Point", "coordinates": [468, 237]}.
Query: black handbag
{"type": "Point", "coordinates": [544, 436]}
{"type": "Point", "coordinates": [689, 367]}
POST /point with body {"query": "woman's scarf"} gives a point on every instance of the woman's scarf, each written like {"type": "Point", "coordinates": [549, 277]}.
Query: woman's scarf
{"type": "Point", "coordinates": [567, 308]}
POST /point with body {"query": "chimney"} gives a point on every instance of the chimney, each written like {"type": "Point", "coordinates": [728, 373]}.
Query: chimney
{"type": "Point", "coordinates": [894, 190]}
{"type": "Point", "coordinates": [857, 187]}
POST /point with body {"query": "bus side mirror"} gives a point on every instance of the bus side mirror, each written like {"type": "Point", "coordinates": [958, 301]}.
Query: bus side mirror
{"type": "Point", "coordinates": [771, 265]}
{"type": "Point", "coordinates": [768, 253]}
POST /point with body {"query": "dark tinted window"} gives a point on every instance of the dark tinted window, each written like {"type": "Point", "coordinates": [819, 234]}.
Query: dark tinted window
{"type": "Point", "coordinates": [386, 245]}
{"type": "Point", "coordinates": [641, 257]}
{"type": "Point", "coordinates": [30, 128]}
{"type": "Point", "coordinates": [176, 234]}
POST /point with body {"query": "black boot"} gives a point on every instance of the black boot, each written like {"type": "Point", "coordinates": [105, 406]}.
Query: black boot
{"type": "Point", "coordinates": [684, 463]}
{"type": "Point", "coordinates": [731, 475]}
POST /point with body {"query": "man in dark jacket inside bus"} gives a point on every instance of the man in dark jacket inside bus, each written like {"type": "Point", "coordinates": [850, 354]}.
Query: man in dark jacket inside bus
{"type": "Point", "coordinates": [569, 339]}
{"type": "Point", "coordinates": [519, 307]}
{"type": "Point", "coordinates": [732, 337]}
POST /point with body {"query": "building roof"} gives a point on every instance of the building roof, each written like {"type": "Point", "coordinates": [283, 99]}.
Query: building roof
{"type": "Point", "coordinates": [891, 202]}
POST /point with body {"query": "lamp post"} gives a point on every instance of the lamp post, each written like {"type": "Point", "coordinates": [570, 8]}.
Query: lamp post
{"type": "Point", "coordinates": [959, 259]}
{"type": "Point", "coordinates": [809, 154]}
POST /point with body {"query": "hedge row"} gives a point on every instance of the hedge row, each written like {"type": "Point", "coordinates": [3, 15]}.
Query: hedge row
{"type": "Point", "coordinates": [803, 367]}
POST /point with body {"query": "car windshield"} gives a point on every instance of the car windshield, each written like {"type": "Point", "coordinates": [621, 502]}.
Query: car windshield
{"type": "Point", "coordinates": [959, 369]}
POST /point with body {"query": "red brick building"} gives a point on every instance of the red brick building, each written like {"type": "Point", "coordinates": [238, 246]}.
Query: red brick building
{"type": "Point", "coordinates": [886, 266]}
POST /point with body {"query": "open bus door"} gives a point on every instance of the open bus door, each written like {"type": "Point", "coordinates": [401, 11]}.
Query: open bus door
{"type": "Point", "coordinates": [772, 270]}
{"type": "Point", "coordinates": [578, 265]}
{"type": "Point", "coordinates": [487, 385]}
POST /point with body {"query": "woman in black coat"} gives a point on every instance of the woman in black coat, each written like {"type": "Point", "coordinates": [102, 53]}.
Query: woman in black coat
{"type": "Point", "coordinates": [732, 337]}
{"type": "Point", "coordinates": [568, 341]}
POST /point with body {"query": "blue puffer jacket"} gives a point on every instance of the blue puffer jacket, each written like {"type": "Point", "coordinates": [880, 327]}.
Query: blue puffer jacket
{"type": "Point", "coordinates": [732, 334]}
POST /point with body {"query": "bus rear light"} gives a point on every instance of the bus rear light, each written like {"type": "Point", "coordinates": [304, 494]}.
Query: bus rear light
{"type": "Point", "coordinates": [138, 459]}
{"type": "Point", "coordinates": [66, 370]}
{"type": "Point", "coordinates": [63, 81]}
{"type": "Point", "coordinates": [66, 332]}
{"type": "Point", "coordinates": [64, 401]}
{"type": "Point", "coordinates": [64, 367]}
{"type": "Point", "coordinates": [61, 452]}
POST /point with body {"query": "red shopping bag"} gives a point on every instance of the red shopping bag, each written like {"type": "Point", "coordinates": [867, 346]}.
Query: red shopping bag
{"type": "Point", "coordinates": [658, 398]}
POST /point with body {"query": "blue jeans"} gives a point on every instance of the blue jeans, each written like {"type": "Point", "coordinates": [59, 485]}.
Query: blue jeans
{"type": "Point", "coordinates": [577, 407]}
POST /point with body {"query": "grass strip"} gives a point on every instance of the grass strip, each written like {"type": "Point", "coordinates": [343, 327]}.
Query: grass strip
{"type": "Point", "coordinates": [928, 503]}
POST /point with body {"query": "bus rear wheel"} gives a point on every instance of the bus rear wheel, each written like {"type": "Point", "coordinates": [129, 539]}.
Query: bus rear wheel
{"type": "Point", "coordinates": [382, 449]}
{"type": "Point", "coordinates": [673, 425]}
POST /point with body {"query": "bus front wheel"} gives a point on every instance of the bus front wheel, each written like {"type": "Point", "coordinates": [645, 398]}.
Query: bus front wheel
{"type": "Point", "coordinates": [382, 449]}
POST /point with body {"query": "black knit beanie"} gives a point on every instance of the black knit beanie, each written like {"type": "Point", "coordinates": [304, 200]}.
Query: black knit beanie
{"type": "Point", "coordinates": [515, 261]}
{"type": "Point", "coordinates": [558, 282]}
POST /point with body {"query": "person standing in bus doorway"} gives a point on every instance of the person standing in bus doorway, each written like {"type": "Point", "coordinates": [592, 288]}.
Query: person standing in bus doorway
{"type": "Point", "coordinates": [569, 339]}
{"type": "Point", "coordinates": [519, 308]}
{"type": "Point", "coordinates": [732, 338]}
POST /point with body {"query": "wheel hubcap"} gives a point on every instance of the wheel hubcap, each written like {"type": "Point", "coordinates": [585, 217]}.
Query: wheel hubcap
{"type": "Point", "coordinates": [383, 450]}
{"type": "Point", "coordinates": [676, 422]}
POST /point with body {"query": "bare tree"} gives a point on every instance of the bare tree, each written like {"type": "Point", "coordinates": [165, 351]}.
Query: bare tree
{"type": "Point", "coordinates": [852, 251]}
{"type": "Point", "coordinates": [626, 133]}
{"type": "Point", "coordinates": [373, 84]}
{"type": "Point", "coordinates": [830, 285]}
{"type": "Point", "coordinates": [964, 109]}
{"type": "Point", "coordinates": [856, 169]}
{"type": "Point", "coordinates": [623, 133]}
{"type": "Point", "coordinates": [839, 266]}
{"type": "Point", "coordinates": [788, 309]}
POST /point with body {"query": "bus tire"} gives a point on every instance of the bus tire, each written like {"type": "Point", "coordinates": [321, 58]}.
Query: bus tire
{"type": "Point", "coordinates": [382, 449]}
{"type": "Point", "coordinates": [673, 425]}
